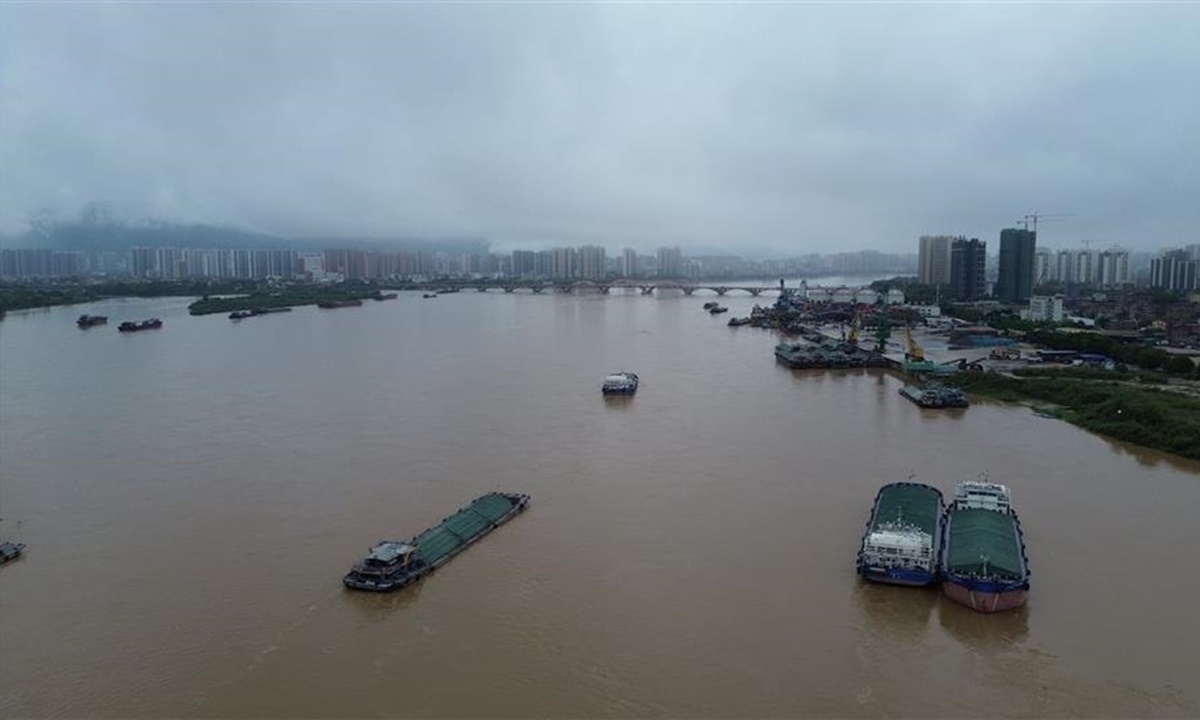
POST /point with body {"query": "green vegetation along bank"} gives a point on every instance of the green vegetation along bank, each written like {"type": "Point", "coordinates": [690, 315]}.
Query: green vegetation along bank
{"type": "Point", "coordinates": [1148, 416]}
{"type": "Point", "coordinates": [291, 297]}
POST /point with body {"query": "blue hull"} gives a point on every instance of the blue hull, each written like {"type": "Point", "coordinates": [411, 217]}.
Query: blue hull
{"type": "Point", "coordinates": [898, 576]}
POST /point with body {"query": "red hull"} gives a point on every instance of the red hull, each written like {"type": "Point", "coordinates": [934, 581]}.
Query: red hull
{"type": "Point", "coordinates": [985, 602]}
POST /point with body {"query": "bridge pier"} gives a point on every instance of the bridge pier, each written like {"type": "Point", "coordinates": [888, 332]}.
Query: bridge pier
{"type": "Point", "coordinates": [508, 288]}
{"type": "Point", "coordinates": [482, 288]}
{"type": "Point", "coordinates": [604, 289]}
{"type": "Point", "coordinates": [537, 289]}
{"type": "Point", "coordinates": [722, 290]}
{"type": "Point", "coordinates": [755, 291]}
{"type": "Point", "coordinates": [688, 291]}
{"type": "Point", "coordinates": [647, 289]}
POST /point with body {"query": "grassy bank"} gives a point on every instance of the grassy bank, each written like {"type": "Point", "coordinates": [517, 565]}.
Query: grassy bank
{"type": "Point", "coordinates": [1147, 416]}
{"type": "Point", "coordinates": [292, 297]}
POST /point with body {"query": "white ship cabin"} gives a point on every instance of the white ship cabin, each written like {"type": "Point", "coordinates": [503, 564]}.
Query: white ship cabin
{"type": "Point", "coordinates": [971, 494]}
{"type": "Point", "coordinates": [899, 547]}
{"type": "Point", "coordinates": [388, 554]}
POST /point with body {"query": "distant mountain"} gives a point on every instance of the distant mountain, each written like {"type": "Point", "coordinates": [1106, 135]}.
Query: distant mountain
{"type": "Point", "coordinates": [89, 234]}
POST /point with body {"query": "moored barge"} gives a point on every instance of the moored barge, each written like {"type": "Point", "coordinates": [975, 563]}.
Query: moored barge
{"type": "Point", "coordinates": [621, 383]}
{"type": "Point", "coordinates": [984, 565]}
{"type": "Point", "coordinates": [901, 541]}
{"type": "Point", "coordinates": [87, 321]}
{"type": "Point", "coordinates": [393, 564]}
{"type": "Point", "coordinates": [935, 396]}
{"type": "Point", "coordinates": [136, 326]}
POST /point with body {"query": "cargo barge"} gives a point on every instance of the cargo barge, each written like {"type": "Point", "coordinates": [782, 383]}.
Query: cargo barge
{"type": "Point", "coordinates": [139, 325]}
{"type": "Point", "coordinates": [984, 565]}
{"type": "Point", "coordinates": [87, 321]}
{"type": "Point", "coordinates": [392, 564]}
{"type": "Point", "coordinates": [901, 541]}
{"type": "Point", "coordinates": [935, 396]}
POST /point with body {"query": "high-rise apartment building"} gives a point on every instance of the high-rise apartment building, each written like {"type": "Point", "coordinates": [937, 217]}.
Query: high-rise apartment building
{"type": "Point", "coordinates": [933, 259]}
{"type": "Point", "coordinates": [670, 262]}
{"type": "Point", "coordinates": [1015, 281]}
{"type": "Point", "coordinates": [523, 264]}
{"type": "Point", "coordinates": [1113, 269]}
{"type": "Point", "coordinates": [592, 263]}
{"type": "Point", "coordinates": [968, 261]}
{"type": "Point", "coordinates": [629, 263]}
{"type": "Point", "coordinates": [1174, 270]}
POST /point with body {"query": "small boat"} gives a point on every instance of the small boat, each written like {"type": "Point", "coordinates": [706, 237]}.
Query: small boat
{"type": "Point", "coordinates": [386, 296]}
{"type": "Point", "coordinates": [717, 310]}
{"type": "Point", "coordinates": [392, 564]}
{"type": "Point", "coordinates": [241, 314]}
{"type": "Point", "coordinates": [429, 295]}
{"type": "Point", "coordinates": [135, 326]}
{"type": "Point", "coordinates": [710, 305]}
{"type": "Point", "coordinates": [621, 383]}
{"type": "Point", "coordinates": [738, 322]}
{"type": "Point", "coordinates": [983, 564]}
{"type": "Point", "coordinates": [87, 321]}
{"type": "Point", "coordinates": [10, 551]}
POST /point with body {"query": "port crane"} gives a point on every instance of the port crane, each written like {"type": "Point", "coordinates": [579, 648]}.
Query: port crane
{"type": "Point", "coordinates": [913, 351]}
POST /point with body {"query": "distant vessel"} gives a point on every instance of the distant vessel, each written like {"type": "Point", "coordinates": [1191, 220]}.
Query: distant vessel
{"type": "Point", "coordinates": [330, 304]}
{"type": "Point", "coordinates": [983, 549]}
{"type": "Point", "coordinates": [710, 305]}
{"type": "Point", "coordinates": [10, 551]}
{"type": "Point", "coordinates": [429, 295]}
{"type": "Point", "coordinates": [622, 383]}
{"type": "Point", "coordinates": [900, 543]}
{"type": "Point", "coordinates": [717, 310]}
{"type": "Point", "coordinates": [87, 321]}
{"type": "Point", "coordinates": [935, 396]}
{"type": "Point", "coordinates": [135, 326]}
{"type": "Point", "coordinates": [393, 564]}
{"type": "Point", "coordinates": [242, 314]}
{"type": "Point", "coordinates": [386, 296]}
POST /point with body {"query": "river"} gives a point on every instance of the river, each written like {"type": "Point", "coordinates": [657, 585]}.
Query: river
{"type": "Point", "coordinates": [192, 496]}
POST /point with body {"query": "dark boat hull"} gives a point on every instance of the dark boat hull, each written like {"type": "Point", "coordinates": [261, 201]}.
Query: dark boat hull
{"type": "Point", "coordinates": [401, 580]}
{"type": "Point", "coordinates": [985, 597]}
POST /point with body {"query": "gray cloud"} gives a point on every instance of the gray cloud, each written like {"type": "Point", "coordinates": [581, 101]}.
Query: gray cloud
{"type": "Point", "coordinates": [764, 128]}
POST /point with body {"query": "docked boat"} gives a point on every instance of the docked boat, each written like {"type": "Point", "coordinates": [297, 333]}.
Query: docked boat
{"type": "Point", "coordinates": [738, 322]}
{"type": "Point", "coordinates": [331, 304]}
{"type": "Point", "coordinates": [622, 383]}
{"type": "Point", "coordinates": [718, 310]}
{"type": "Point", "coordinates": [87, 321]}
{"type": "Point", "coordinates": [392, 564]}
{"type": "Point", "coordinates": [10, 551]}
{"type": "Point", "coordinates": [983, 564]}
{"type": "Point", "coordinates": [135, 326]}
{"type": "Point", "coordinates": [901, 541]}
{"type": "Point", "coordinates": [386, 296]}
{"type": "Point", "coordinates": [427, 296]}
{"type": "Point", "coordinates": [710, 305]}
{"type": "Point", "coordinates": [935, 396]}
{"type": "Point", "coordinates": [804, 356]}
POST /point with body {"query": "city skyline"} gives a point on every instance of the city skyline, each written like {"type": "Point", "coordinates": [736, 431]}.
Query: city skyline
{"type": "Point", "coordinates": [767, 130]}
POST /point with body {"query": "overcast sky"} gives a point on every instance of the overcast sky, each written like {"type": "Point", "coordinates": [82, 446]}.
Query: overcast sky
{"type": "Point", "coordinates": [757, 129]}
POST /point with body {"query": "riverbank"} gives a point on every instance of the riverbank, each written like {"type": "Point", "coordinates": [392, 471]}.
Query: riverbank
{"type": "Point", "coordinates": [1147, 415]}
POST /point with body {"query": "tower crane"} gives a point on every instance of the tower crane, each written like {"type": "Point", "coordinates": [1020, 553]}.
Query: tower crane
{"type": "Point", "coordinates": [1037, 217]}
